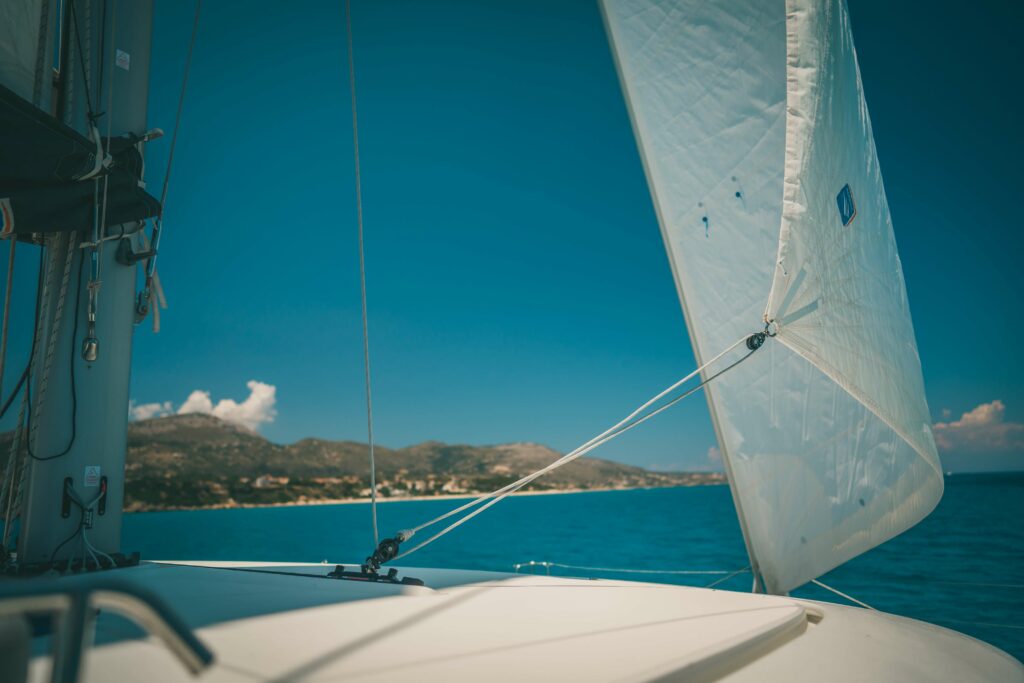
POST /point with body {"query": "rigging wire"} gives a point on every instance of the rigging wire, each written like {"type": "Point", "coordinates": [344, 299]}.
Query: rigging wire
{"type": "Point", "coordinates": [362, 270]}
{"type": "Point", "coordinates": [146, 294]}
{"type": "Point", "coordinates": [181, 104]}
{"type": "Point", "coordinates": [631, 421]}
{"type": "Point", "coordinates": [841, 594]}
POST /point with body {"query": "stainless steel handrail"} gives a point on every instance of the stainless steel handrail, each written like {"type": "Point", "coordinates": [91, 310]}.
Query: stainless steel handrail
{"type": "Point", "coordinates": [75, 602]}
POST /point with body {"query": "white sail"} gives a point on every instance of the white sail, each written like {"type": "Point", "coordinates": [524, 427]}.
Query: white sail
{"type": "Point", "coordinates": [824, 432]}
{"type": "Point", "coordinates": [22, 62]}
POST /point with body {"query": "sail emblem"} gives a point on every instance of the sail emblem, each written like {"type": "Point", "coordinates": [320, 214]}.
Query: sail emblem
{"type": "Point", "coordinates": [847, 208]}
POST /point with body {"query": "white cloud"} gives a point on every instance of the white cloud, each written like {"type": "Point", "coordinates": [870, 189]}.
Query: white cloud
{"type": "Point", "coordinates": [197, 402]}
{"type": "Point", "coordinates": [714, 455]}
{"type": "Point", "coordinates": [146, 411]}
{"type": "Point", "coordinates": [981, 430]}
{"type": "Point", "coordinates": [256, 409]}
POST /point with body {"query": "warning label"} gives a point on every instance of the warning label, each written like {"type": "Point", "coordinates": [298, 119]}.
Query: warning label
{"type": "Point", "coordinates": [92, 476]}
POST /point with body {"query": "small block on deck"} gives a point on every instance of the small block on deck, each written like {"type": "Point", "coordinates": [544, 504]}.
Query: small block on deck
{"type": "Point", "coordinates": [373, 577]}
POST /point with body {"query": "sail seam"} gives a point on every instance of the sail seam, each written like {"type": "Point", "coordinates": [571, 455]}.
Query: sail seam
{"type": "Point", "coordinates": [825, 367]}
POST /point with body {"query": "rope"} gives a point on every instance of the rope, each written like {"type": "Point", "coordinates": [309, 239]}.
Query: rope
{"type": "Point", "coordinates": [841, 594]}
{"type": "Point", "coordinates": [16, 469]}
{"type": "Point", "coordinates": [727, 577]}
{"type": "Point", "coordinates": [680, 572]}
{"type": "Point", "coordinates": [15, 460]}
{"type": "Point", "coordinates": [156, 297]}
{"type": "Point", "coordinates": [103, 46]}
{"type": "Point", "coordinates": [110, 102]}
{"type": "Point", "coordinates": [82, 63]}
{"type": "Point", "coordinates": [983, 584]}
{"type": "Point", "coordinates": [7, 492]}
{"type": "Point", "coordinates": [14, 392]}
{"type": "Point", "coordinates": [94, 272]}
{"type": "Point", "coordinates": [83, 509]}
{"type": "Point", "coordinates": [94, 551]}
{"type": "Point", "coordinates": [41, 44]}
{"type": "Point", "coordinates": [570, 454]}
{"type": "Point", "coordinates": [100, 205]}
{"type": "Point", "coordinates": [66, 100]}
{"type": "Point", "coordinates": [51, 345]}
{"type": "Point", "coordinates": [7, 311]}
{"type": "Point", "coordinates": [85, 63]}
{"type": "Point", "coordinates": [987, 624]}
{"type": "Point", "coordinates": [100, 159]}
{"type": "Point", "coordinates": [362, 270]}
{"type": "Point", "coordinates": [631, 421]}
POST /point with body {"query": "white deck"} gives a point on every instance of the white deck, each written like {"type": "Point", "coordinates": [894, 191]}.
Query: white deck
{"type": "Point", "coordinates": [472, 626]}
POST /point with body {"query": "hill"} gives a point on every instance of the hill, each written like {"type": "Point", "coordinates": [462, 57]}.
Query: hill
{"type": "Point", "coordinates": [196, 460]}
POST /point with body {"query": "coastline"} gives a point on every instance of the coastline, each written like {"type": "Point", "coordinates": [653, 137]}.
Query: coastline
{"type": "Point", "coordinates": [232, 505]}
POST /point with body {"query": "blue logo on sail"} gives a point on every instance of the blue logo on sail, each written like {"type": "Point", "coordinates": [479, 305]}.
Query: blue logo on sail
{"type": "Point", "coordinates": [847, 209]}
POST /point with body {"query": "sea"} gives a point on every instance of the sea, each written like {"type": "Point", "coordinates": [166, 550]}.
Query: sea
{"type": "Point", "coordinates": [962, 567]}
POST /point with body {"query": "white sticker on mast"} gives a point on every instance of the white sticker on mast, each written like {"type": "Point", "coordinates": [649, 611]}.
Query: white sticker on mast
{"type": "Point", "coordinates": [817, 477]}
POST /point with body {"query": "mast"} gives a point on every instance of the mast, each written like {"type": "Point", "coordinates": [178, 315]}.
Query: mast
{"type": "Point", "coordinates": [79, 406]}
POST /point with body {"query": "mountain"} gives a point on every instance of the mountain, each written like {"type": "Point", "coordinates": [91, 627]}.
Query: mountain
{"type": "Point", "coordinates": [197, 460]}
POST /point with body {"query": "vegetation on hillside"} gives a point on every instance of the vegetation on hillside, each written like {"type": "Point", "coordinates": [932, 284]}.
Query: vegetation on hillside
{"type": "Point", "coordinates": [197, 460]}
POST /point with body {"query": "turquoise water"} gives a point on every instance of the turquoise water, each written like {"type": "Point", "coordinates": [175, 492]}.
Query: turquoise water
{"type": "Point", "coordinates": [963, 567]}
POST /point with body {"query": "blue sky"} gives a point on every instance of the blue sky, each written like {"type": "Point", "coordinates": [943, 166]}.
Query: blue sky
{"type": "Point", "coordinates": [518, 289]}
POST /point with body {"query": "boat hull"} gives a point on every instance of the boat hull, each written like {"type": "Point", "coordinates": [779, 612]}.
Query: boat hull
{"type": "Point", "coordinates": [271, 622]}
